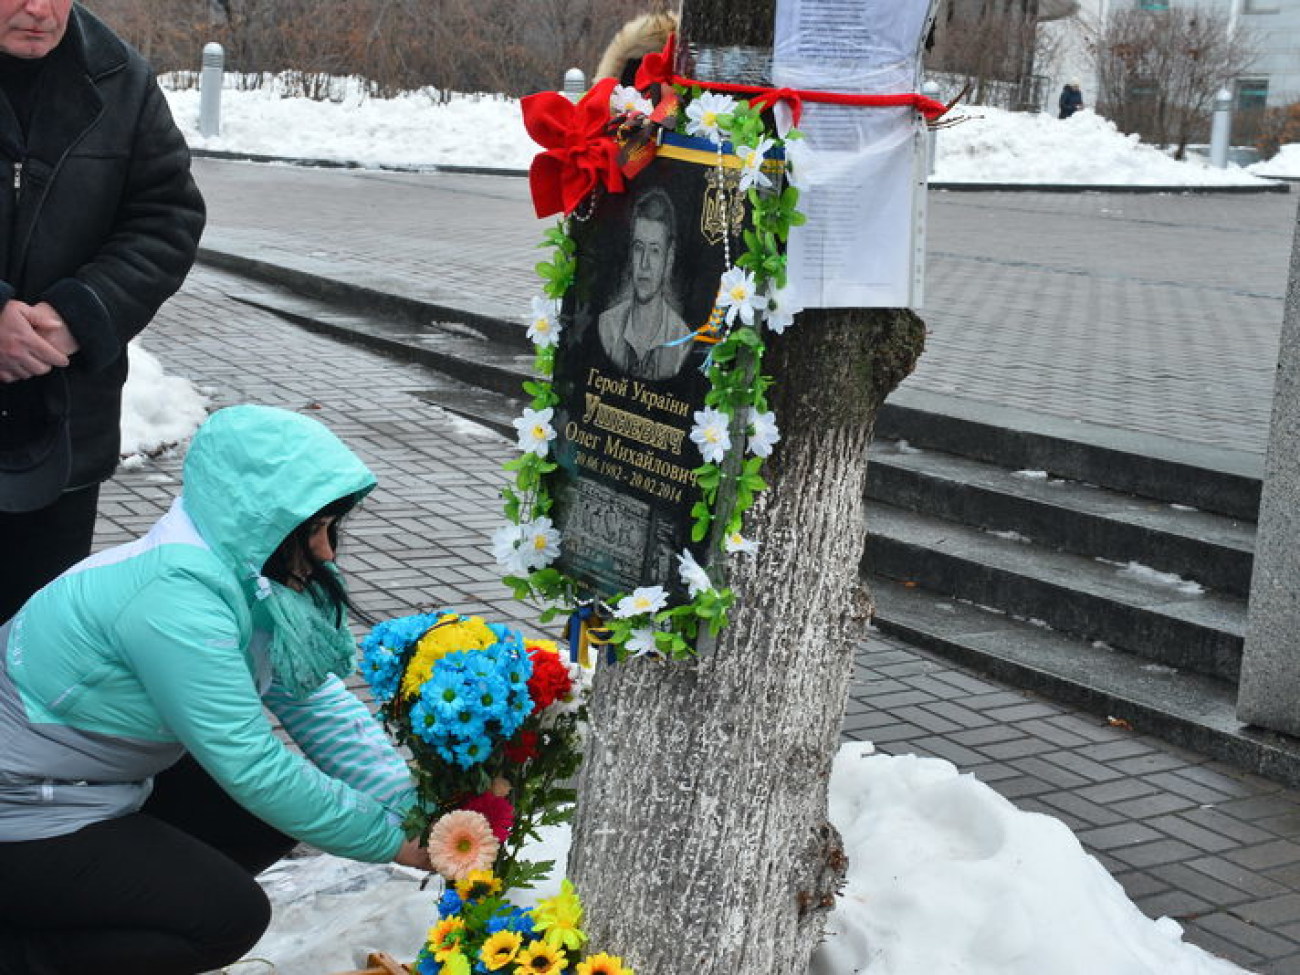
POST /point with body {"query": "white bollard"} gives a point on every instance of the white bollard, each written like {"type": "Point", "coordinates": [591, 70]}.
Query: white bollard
{"type": "Point", "coordinates": [1220, 129]}
{"type": "Point", "coordinates": [210, 89]}
{"type": "Point", "coordinates": [575, 83]}
{"type": "Point", "coordinates": [930, 90]}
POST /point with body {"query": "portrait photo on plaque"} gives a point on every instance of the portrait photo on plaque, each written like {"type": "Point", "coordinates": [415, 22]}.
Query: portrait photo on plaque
{"type": "Point", "coordinates": [630, 373]}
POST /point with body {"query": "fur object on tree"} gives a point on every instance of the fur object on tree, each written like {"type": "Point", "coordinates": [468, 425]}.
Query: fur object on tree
{"type": "Point", "coordinates": [635, 39]}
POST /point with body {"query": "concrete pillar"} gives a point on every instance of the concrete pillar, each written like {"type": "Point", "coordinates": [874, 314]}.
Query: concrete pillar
{"type": "Point", "coordinates": [214, 59]}
{"type": "Point", "coordinates": [575, 83]}
{"type": "Point", "coordinates": [1269, 691]}
{"type": "Point", "coordinates": [1221, 129]}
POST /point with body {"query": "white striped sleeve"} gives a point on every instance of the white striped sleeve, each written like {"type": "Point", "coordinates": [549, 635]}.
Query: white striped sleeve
{"type": "Point", "coordinates": [345, 741]}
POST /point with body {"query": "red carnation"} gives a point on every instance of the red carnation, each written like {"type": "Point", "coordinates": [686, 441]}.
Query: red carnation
{"type": "Point", "coordinates": [550, 679]}
{"type": "Point", "coordinates": [522, 748]}
{"type": "Point", "coordinates": [497, 810]}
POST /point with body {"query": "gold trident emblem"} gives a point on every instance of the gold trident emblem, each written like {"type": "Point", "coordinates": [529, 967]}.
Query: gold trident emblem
{"type": "Point", "coordinates": [724, 206]}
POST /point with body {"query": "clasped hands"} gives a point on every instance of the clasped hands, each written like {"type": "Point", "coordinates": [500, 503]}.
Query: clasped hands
{"type": "Point", "coordinates": [33, 340]}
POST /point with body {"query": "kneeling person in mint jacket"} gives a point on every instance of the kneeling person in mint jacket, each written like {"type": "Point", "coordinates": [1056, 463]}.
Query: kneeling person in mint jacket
{"type": "Point", "coordinates": [141, 783]}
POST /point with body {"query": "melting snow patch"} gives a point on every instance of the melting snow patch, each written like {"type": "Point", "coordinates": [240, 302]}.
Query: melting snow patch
{"type": "Point", "coordinates": [1012, 536]}
{"type": "Point", "coordinates": [1157, 579]}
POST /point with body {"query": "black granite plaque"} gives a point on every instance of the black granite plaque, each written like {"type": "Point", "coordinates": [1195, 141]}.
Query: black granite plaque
{"type": "Point", "coordinates": [630, 377]}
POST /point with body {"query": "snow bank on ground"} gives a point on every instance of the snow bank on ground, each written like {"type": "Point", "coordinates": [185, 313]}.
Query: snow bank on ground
{"type": "Point", "coordinates": [945, 876]}
{"type": "Point", "coordinates": [411, 130]}
{"type": "Point", "coordinates": [415, 129]}
{"type": "Point", "coordinates": [1285, 165]}
{"type": "Point", "coordinates": [994, 146]}
{"type": "Point", "coordinates": [157, 410]}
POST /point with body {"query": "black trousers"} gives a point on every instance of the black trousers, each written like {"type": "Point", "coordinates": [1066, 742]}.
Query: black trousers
{"type": "Point", "coordinates": [169, 890]}
{"type": "Point", "coordinates": [38, 545]}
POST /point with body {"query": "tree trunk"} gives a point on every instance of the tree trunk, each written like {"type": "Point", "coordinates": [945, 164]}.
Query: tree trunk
{"type": "Point", "coordinates": [701, 842]}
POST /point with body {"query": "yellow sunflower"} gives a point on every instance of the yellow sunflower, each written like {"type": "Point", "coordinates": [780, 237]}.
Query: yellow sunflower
{"type": "Point", "coordinates": [603, 964]}
{"type": "Point", "coordinates": [478, 884]}
{"type": "Point", "coordinates": [500, 949]}
{"type": "Point", "coordinates": [539, 958]}
{"type": "Point", "coordinates": [445, 937]}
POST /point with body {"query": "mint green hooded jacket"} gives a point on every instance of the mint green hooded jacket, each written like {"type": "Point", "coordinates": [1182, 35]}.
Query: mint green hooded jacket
{"type": "Point", "coordinates": [150, 649]}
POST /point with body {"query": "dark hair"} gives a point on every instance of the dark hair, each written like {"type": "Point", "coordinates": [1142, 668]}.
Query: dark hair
{"type": "Point", "coordinates": [656, 205]}
{"type": "Point", "coordinates": [328, 589]}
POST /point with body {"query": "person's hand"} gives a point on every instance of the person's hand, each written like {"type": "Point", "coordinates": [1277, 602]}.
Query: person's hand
{"type": "Point", "coordinates": [24, 351]}
{"type": "Point", "coordinates": [49, 324]}
{"type": "Point", "coordinates": [412, 854]}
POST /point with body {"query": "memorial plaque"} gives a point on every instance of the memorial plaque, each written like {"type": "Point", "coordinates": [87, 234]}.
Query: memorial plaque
{"type": "Point", "coordinates": [628, 373]}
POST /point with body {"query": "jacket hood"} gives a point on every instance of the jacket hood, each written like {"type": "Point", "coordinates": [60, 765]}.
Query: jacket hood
{"type": "Point", "coordinates": [254, 473]}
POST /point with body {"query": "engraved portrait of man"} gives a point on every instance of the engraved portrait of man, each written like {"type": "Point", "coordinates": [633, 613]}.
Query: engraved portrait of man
{"type": "Point", "coordinates": [638, 330]}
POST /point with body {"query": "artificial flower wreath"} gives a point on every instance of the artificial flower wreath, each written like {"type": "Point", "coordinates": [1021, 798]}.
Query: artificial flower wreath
{"type": "Point", "coordinates": [735, 431]}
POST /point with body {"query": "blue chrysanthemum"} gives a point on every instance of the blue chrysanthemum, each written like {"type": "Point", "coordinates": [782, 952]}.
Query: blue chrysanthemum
{"type": "Point", "coordinates": [449, 903]}
{"type": "Point", "coordinates": [516, 919]}
{"type": "Point", "coordinates": [382, 649]}
{"type": "Point", "coordinates": [471, 752]}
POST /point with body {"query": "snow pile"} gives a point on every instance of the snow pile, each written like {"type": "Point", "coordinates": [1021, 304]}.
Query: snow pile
{"type": "Point", "coordinates": [414, 130]}
{"type": "Point", "coordinates": [995, 146]}
{"type": "Point", "coordinates": [157, 410]}
{"type": "Point", "coordinates": [410, 130]}
{"type": "Point", "coordinates": [945, 876]}
{"type": "Point", "coordinates": [1285, 165]}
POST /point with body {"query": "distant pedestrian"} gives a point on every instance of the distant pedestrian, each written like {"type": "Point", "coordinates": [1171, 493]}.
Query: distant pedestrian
{"type": "Point", "coordinates": [1071, 99]}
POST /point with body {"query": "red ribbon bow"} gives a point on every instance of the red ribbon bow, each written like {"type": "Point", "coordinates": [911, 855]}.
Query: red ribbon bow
{"type": "Point", "coordinates": [579, 152]}
{"type": "Point", "coordinates": [657, 67]}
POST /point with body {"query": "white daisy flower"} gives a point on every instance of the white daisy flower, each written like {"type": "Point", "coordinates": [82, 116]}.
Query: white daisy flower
{"type": "Point", "coordinates": [736, 293]}
{"type": "Point", "coordinates": [800, 160]}
{"type": "Point", "coordinates": [711, 434]}
{"type": "Point", "coordinates": [626, 100]}
{"type": "Point", "coordinates": [763, 433]}
{"type": "Point", "coordinates": [751, 165]}
{"type": "Point", "coordinates": [693, 574]}
{"type": "Point", "coordinates": [540, 541]}
{"type": "Point", "coordinates": [535, 430]}
{"type": "Point", "coordinates": [647, 599]}
{"type": "Point", "coordinates": [640, 641]}
{"type": "Point", "coordinates": [505, 546]}
{"type": "Point", "coordinates": [702, 116]}
{"type": "Point", "coordinates": [544, 322]}
{"type": "Point", "coordinates": [736, 542]}
{"type": "Point", "coordinates": [782, 307]}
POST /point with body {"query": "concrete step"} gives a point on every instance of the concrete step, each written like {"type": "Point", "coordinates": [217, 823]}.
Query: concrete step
{"type": "Point", "coordinates": [1213, 479]}
{"type": "Point", "coordinates": [466, 352]}
{"type": "Point", "coordinates": [369, 301]}
{"type": "Point", "coordinates": [1214, 550]}
{"type": "Point", "coordinates": [1191, 710]}
{"type": "Point", "coordinates": [495, 411]}
{"type": "Point", "coordinates": [1127, 609]}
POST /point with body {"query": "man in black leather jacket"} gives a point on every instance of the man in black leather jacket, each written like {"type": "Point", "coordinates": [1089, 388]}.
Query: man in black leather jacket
{"type": "Point", "coordinates": [99, 224]}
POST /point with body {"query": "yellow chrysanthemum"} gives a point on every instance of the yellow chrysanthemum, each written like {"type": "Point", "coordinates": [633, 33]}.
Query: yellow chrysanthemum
{"type": "Point", "coordinates": [539, 958]}
{"type": "Point", "coordinates": [478, 884]}
{"type": "Point", "coordinates": [547, 645]}
{"type": "Point", "coordinates": [440, 640]}
{"type": "Point", "coordinates": [559, 918]}
{"type": "Point", "coordinates": [500, 950]}
{"type": "Point", "coordinates": [603, 964]}
{"type": "Point", "coordinates": [445, 937]}
{"type": "Point", "coordinates": [455, 964]}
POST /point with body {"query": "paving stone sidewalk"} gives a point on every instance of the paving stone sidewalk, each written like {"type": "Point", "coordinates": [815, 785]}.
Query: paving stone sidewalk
{"type": "Point", "coordinates": [1152, 313]}
{"type": "Point", "coordinates": [1189, 838]}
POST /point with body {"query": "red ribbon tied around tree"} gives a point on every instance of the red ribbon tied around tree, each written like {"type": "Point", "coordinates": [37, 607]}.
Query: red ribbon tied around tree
{"type": "Point", "coordinates": [580, 153]}
{"type": "Point", "coordinates": [658, 69]}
